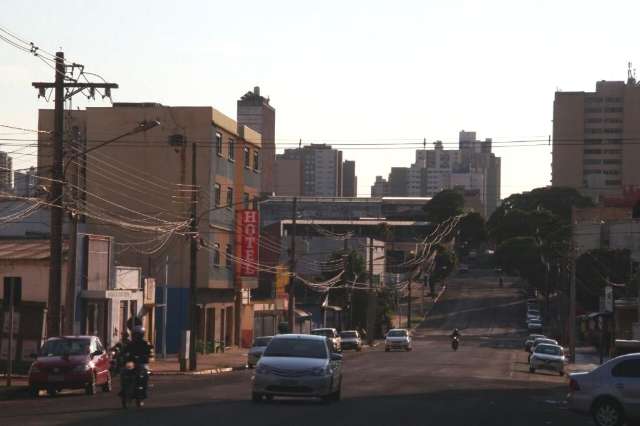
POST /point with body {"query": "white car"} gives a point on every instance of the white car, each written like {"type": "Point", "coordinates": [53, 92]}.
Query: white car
{"type": "Point", "coordinates": [257, 349]}
{"type": "Point", "coordinates": [298, 365]}
{"type": "Point", "coordinates": [547, 357]}
{"type": "Point", "coordinates": [332, 335]}
{"type": "Point", "coordinates": [350, 339]}
{"type": "Point", "coordinates": [609, 393]}
{"type": "Point", "coordinates": [529, 341]}
{"type": "Point", "coordinates": [534, 325]}
{"type": "Point", "coordinates": [540, 341]}
{"type": "Point", "coordinates": [398, 338]}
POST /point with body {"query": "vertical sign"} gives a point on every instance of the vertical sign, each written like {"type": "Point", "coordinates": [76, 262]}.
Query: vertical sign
{"type": "Point", "coordinates": [249, 226]}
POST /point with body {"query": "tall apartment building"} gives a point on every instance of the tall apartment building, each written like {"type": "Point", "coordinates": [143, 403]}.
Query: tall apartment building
{"type": "Point", "coordinates": [25, 182]}
{"type": "Point", "coordinates": [596, 139]}
{"type": "Point", "coordinates": [313, 170]}
{"type": "Point", "coordinates": [349, 179]}
{"type": "Point", "coordinates": [255, 112]}
{"type": "Point", "coordinates": [472, 167]}
{"type": "Point", "coordinates": [146, 178]}
{"type": "Point", "coordinates": [6, 170]}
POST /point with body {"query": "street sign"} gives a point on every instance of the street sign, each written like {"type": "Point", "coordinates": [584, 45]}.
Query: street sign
{"type": "Point", "coordinates": [608, 299]}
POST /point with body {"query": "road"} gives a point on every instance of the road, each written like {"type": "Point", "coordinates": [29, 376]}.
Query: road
{"type": "Point", "coordinates": [486, 382]}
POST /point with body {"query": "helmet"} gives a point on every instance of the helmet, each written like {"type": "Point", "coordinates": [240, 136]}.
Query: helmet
{"type": "Point", "coordinates": [455, 330]}
{"type": "Point", "coordinates": [138, 330]}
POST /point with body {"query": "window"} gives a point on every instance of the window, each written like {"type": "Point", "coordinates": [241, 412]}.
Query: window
{"type": "Point", "coordinates": [613, 182]}
{"type": "Point", "coordinates": [217, 194]}
{"type": "Point", "coordinates": [256, 160]}
{"type": "Point", "coordinates": [613, 130]}
{"type": "Point", "coordinates": [247, 157]}
{"type": "Point", "coordinates": [591, 172]}
{"type": "Point", "coordinates": [627, 368]}
{"type": "Point", "coordinates": [613, 120]}
{"type": "Point", "coordinates": [611, 172]}
{"type": "Point", "coordinates": [612, 151]}
{"type": "Point", "coordinates": [216, 255]}
{"type": "Point", "coordinates": [612, 161]}
{"type": "Point", "coordinates": [219, 144]}
{"type": "Point", "coordinates": [254, 203]}
{"type": "Point", "coordinates": [614, 141]}
{"type": "Point", "coordinates": [245, 200]}
{"type": "Point", "coordinates": [232, 147]}
{"type": "Point", "coordinates": [613, 109]}
{"type": "Point", "coordinates": [593, 151]}
{"type": "Point", "coordinates": [591, 161]}
{"type": "Point", "coordinates": [229, 197]}
{"type": "Point", "coordinates": [228, 260]}
{"type": "Point", "coordinates": [608, 99]}
{"type": "Point", "coordinates": [593, 130]}
{"type": "Point", "coordinates": [592, 110]}
{"type": "Point", "coordinates": [593, 100]}
{"type": "Point", "coordinates": [593, 141]}
{"type": "Point", "coordinates": [594, 120]}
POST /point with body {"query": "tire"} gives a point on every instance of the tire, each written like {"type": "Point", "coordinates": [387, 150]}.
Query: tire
{"type": "Point", "coordinates": [608, 412]}
{"type": "Point", "coordinates": [409, 349]}
{"type": "Point", "coordinates": [52, 392]}
{"type": "Point", "coordinates": [256, 397]}
{"type": "Point", "coordinates": [249, 366]}
{"type": "Point", "coordinates": [532, 370]}
{"type": "Point", "coordinates": [561, 373]}
{"type": "Point", "coordinates": [268, 397]}
{"type": "Point", "coordinates": [108, 385]}
{"type": "Point", "coordinates": [90, 388]}
{"type": "Point", "coordinates": [387, 349]}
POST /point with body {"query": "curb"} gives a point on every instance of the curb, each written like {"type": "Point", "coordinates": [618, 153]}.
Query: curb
{"type": "Point", "coordinates": [208, 372]}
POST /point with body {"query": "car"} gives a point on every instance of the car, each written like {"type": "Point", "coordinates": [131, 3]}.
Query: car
{"type": "Point", "coordinates": [332, 335]}
{"type": "Point", "coordinates": [538, 341]}
{"type": "Point", "coordinates": [547, 357]}
{"type": "Point", "coordinates": [534, 325]}
{"type": "Point", "coordinates": [70, 362]}
{"type": "Point", "coordinates": [533, 316]}
{"type": "Point", "coordinates": [398, 338]}
{"type": "Point", "coordinates": [350, 339]}
{"type": "Point", "coordinates": [258, 347]}
{"type": "Point", "coordinates": [463, 269]}
{"type": "Point", "coordinates": [529, 341]}
{"type": "Point", "coordinates": [298, 365]}
{"type": "Point", "coordinates": [609, 393]}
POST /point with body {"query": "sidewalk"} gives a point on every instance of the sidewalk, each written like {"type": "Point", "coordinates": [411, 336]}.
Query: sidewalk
{"type": "Point", "coordinates": [18, 388]}
{"type": "Point", "coordinates": [231, 360]}
{"type": "Point", "coordinates": [587, 358]}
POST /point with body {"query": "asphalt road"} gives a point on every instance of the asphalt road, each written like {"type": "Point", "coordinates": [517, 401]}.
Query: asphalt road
{"type": "Point", "coordinates": [486, 382]}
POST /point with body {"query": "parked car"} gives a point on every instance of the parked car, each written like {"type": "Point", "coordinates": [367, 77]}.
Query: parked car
{"type": "Point", "coordinates": [547, 357]}
{"type": "Point", "coordinates": [350, 339]}
{"type": "Point", "coordinates": [530, 339]}
{"type": "Point", "coordinates": [258, 347]}
{"type": "Point", "coordinates": [534, 326]}
{"type": "Point", "coordinates": [398, 338]}
{"type": "Point", "coordinates": [70, 362]}
{"type": "Point", "coordinates": [332, 335]}
{"type": "Point", "coordinates": [463, 269]}
{"type": "Point", "coordinates": [539, 341]}
{"type": "Point", "coordinates": [298, 365]}
{"type": "Point", "coordinates": [609, 393]}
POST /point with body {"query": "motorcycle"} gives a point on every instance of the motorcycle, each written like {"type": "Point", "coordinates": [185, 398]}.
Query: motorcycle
{"type": "Point", "coordinates": [455, 342]}
{"type": "Point", "coordinates": [134, 380]}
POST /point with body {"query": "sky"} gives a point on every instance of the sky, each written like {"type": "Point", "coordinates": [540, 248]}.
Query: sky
{"type": "Point", "coordinates": [337, 71]}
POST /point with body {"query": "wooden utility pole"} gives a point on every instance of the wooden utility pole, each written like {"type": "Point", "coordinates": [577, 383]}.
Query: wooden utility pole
{"type": "Point", "coordinates": [371, 308]}
{"type": "Point", "coordinates": [54, 309]}
{"type": "Point", "coordinates": [572, 295]}
{"type": "Point", "coordinates": [291, 314]}
{"type": "Point", "coordinates": [409, 305]}
{"type": "Point", "coordinates": [193, 271]}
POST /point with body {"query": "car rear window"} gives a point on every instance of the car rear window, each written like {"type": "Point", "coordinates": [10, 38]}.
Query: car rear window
{"type": "Point", "coordinates": [349, 334]}
{"type": "Point", "coordinates": [548, 350]}
{"type": "Point", "coordinates": [62, 347]}
{"type": "Point", "coordinates": [297, 348]}
{"type": "Point", "coordinates": [326, 333]}
{"type": "Point", "coordinates": [397, 333]}
{"type": "Point", "coordinates": [262, 341]}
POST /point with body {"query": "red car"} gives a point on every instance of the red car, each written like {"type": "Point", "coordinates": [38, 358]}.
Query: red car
{"type": "Point", "coordinates": [70, 362]}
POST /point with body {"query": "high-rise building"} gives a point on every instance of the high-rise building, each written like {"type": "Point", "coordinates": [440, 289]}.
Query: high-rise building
{"type": "Point", "coordinates": [595, 139]}
{"type": "Point", "coordinates": [349, 179]}
{"type": "Point", "coordinates": [472, 167]}
{"type": "Point", "coordinates": [255, 112]}
{"type": "Point", "coordinates": [313, 170]}
{"type": "Point", "coordinates": [6, 171]}
{"type": "Point", "coordinates": [25, 182]}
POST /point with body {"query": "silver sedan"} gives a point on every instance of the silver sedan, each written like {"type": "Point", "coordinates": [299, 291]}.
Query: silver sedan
{"type": "Point", "coordinates": [298, 365]}
{"type": "Point", "coordinates": [547, 357]}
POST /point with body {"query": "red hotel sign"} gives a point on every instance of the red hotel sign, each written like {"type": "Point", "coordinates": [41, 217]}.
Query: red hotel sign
{"type": "Point", "coordinates": [249, 226]}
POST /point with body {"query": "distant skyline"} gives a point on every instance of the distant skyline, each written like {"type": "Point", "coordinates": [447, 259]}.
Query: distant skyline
{"type": "Point", "coordinates": [337, 72]}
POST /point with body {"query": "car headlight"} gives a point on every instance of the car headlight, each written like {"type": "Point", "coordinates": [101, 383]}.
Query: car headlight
{"type": "Point", "coordinates": [263, 369]}
{"type": "Point", "coordinates": [321, 371]}
{"type": "Point", "coordinates": [81, 368]}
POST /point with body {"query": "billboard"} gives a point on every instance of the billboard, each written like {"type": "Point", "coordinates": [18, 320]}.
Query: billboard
{"type": "Point", "coordinates": [249, 228]}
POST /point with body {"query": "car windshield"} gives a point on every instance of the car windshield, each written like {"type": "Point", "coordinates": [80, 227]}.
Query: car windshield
{"type": "Point", "coordinates": [262, 341]}
{"type": "Point", "coordinates": [323, 332]}
{"type": "Point", "coordinates": [348, 334]}
{"type": "Point", "coordinates": [397, 333]}
{"type": "Point", "coordinates": [61, 347]}
{"type": "Point", "coordinates": [297, 348]}
{"type": "Point", "coordinates": [548, 350]}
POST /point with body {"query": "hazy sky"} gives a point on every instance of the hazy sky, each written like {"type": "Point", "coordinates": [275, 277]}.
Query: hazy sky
{"type": "Point", "coordinates": [338, 71]}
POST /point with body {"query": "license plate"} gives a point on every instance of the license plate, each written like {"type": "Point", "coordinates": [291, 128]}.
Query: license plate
{"type": "Point", "coordinates": [288, 382]}
{"type": "Point", "coordinates": [56, 378]}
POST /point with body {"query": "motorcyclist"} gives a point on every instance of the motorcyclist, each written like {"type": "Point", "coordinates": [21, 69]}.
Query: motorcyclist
{"type": "Point", "coordinates": [455, 333]}
{"type": "Point", "coordinates": [118, 350]}
{"type": "Point", "coordinates": [139, 351]}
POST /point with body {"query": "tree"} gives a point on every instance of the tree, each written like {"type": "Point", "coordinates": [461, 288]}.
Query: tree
{"type": "Point", "coordinates": [595, 269]}
{"type": "Point", "coordinates": [523, 256]}
{"type": "Point", "coordinates": [472, 230]}
{"type": "Point", "coordinates": [443, 205]}
{"type": "Point", "coordinates": [445, 262]}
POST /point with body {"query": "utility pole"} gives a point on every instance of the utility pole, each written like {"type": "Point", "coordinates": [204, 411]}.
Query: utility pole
{"type": "Point", "coordinates": [371, 308]}
{"type": "Point", "coordinates": [572, 297]}
{"type": "Point", "coordinates": [54, 319]}
{"type": "Point", "coordinates": [409, 306]}
{"type": "Point", "coordinates": [291, 315]}
{"type": "Point", "coordinates": [165, 301]}
{"type": "Point", "coordinates": [193, 273]}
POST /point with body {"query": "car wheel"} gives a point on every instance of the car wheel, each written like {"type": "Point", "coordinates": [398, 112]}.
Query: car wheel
{"type": "Point", "coordinates": [532, 370]}
{"type": "Point", "coordinates": [269, 397]}
{"type": "Point", "coordinates": [409, 348]}
{"type": "Point", "coordinates": [108, 385]}
{"type": "Point", "coordinates": [608, 413]}
{"type": "Point", "coordinates": [34, 392]}
{"type": "Point", "coordinates": [386, 349]}
{"type": "Point", "coordinates": [90, 388]}
{"type": "Point", "coordinates": [256, 397]}
{"type": "Point", "coordinates": [52, 392]}
{"type": "Point", "coordinates": [249, 365]}
{"type": "Point", "coordinates": [561, 373]}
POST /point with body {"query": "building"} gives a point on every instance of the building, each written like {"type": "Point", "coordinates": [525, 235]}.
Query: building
{"type": "Point", "coordinates": [594, 139]}
{"type": "Point", "coordinates": [349, 179]}
{"type": "Point", "coordinates": [313, 170]}
{"type": "Point", "coordinates": [6, 172]}
{"type": "Point", "coordinates": [255, 112]}
{"type": "Point", "coordinates": [471, 167]}
{"type": "Point", "coordinates": [140, 191]}
{"type": "Point", "coordinates": [25, 183]}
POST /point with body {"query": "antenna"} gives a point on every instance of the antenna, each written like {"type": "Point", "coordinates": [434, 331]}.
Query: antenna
{"type": "Point", "coordinates": [631, 74]}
